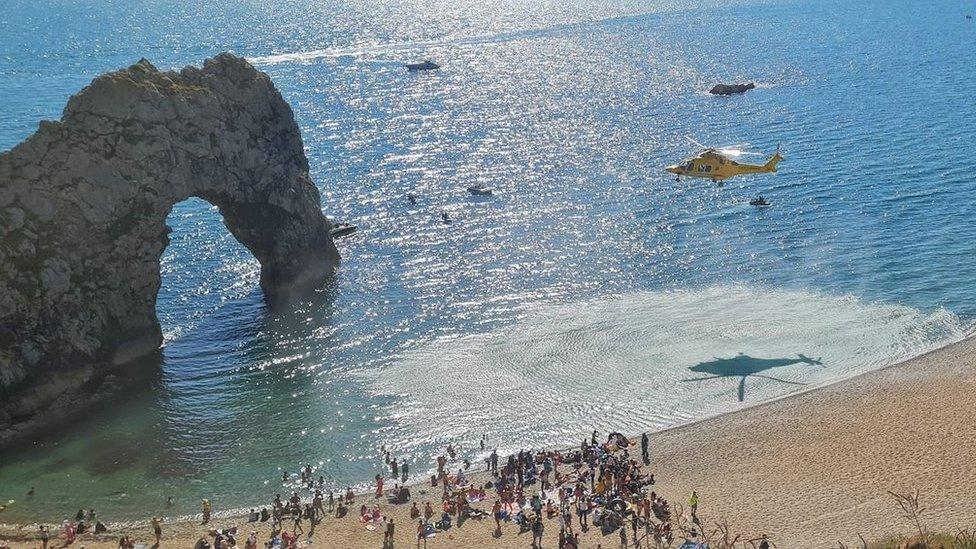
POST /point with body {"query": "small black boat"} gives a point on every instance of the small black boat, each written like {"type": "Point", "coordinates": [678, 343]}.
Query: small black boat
{"type": "Point", "coordinates": [427, 65]}
{"type": "Point", "coordinates": [343, 229]}
{"type": "Point", "coordinates": [479, 190]}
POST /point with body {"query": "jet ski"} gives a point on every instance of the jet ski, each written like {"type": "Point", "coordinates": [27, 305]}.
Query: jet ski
{"type": "Point", "coordinates": [427, 65]}
{"type": "Point", "coordinates": [479, 190]}
{"type": "Point", "coordinates": [343, 229]}
{"type": "Point", "coordinates": [760, 202]}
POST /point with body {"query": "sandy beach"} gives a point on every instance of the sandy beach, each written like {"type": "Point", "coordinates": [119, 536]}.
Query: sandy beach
{"type": "Point", "coordinates": [811, 470]}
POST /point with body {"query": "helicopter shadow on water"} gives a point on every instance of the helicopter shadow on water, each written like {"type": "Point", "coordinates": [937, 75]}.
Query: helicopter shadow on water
{"type": "Point", "coordinates": [743, 366]}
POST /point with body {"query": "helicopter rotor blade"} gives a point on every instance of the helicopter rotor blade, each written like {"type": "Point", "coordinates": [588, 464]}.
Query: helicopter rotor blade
{"type": "Point", "coordinates": [738, 150]}
{"type": "Point", "coordinates": [695, 143]}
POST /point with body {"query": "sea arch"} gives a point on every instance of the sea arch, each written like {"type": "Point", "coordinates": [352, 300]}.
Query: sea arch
{"type": "Point", "coordinates": [84, 203]}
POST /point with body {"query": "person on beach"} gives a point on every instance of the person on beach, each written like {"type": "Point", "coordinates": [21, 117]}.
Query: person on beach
{"type": "Point", "coordinates": [157, 529]}
{"type": "Point", "coordinates": [388, 535]}
{"type": "Point", "coordinates": [421, 533]}
{"type": "Point", "coordinates": [394, 468]}
{"type": "Point", "coordinates": [537, 529]}
{"type": "Point", "coordinates": [317, 506]}
{"type": "Point", "coordinates": [406, 470]}
{"type": "Point", "coordinates": [331, 501]}
{"type": "Point", "coordinates": [45, 536]}
{"type": "Point", "coordinates": [276, 517]}
{"type": "Point", "coordinates": [645, 446]}
{"type": "Point", "coordinates": [693, 501]}
{"type": "Point", "coordinates": [69, 532]}
{"type": "Point", "coordinates": [582, 509]}
{"type": "Point", "coordinates": [207, 508]}
{"type": "Point", "coordinates": [379, 486]}
{"type": "Point", "coordinates": [428, 512]}
{"type": "Point", "coordinates": [296, 516]}
{"type": "Point", "coordinates": [350, 497]}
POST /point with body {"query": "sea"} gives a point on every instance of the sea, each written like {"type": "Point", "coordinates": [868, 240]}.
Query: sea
{"type": "Point", "coordinates": [592, 291]}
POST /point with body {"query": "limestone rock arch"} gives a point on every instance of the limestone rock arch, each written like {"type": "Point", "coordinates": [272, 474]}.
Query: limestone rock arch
{"type": "Point", "coordinates": [83, 207]}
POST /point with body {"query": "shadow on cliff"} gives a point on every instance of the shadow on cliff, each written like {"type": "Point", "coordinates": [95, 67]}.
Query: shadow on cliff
{"type": "Point", "coordinates": [80, 411]}
{"type": "Point", "coordinates": [743, 366]}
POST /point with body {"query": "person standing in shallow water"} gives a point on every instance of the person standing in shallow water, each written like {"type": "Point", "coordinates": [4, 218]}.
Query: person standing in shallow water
{"type": "Point", "coordinates": [406, 470]}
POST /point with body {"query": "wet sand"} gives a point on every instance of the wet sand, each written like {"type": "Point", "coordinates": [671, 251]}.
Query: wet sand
{"type": "Point", "coordinates": [810, 470]}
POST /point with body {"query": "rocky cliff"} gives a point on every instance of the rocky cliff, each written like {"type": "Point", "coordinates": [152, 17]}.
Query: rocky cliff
{"type": "Point", "coordinates": [83, 206]}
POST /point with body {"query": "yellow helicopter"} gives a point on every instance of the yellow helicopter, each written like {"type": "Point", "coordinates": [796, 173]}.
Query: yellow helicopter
{"type": "Point", "coordinates": [720, 163]}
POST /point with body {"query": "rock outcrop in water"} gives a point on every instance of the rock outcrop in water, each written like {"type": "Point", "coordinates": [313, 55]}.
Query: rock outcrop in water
{"type": "Point", "coordinates": [83, 207]}
{"type": "Point", "coordinates": [729, 89]}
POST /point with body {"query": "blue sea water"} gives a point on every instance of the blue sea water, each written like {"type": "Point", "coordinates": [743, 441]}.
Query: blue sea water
{"type": "Point", "coordinates": [591, 291]}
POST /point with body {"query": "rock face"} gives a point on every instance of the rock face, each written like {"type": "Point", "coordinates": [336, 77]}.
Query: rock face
{"type": "Point", "coordinates": [83, 206]}
{"type": "Point", "coordinates": [729, 89]}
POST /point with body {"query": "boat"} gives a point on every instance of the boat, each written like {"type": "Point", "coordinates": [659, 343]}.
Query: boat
{"type": "Point", "coordinates": [427, 65]}
{"type": "Point", "coordinates": [479, 190]}
{"type": "Point", "coordinates": [760, 202]}
{"type": "Point", "coordinates": [343, 229]}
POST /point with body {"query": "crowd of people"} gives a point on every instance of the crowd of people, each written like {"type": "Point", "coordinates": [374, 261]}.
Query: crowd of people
{"type": "Point", "coordinates": [602, 483]}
